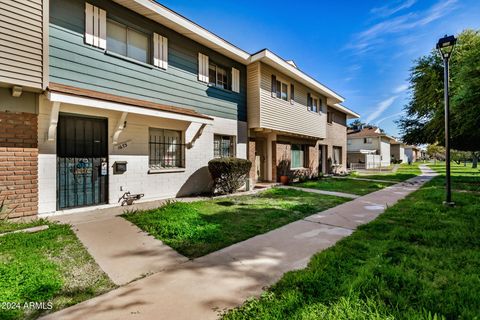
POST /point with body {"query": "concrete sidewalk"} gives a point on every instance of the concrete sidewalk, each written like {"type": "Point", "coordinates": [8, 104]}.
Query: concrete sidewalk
{"type": "Point", "coordinates": [122, 250]}
{"type": "Point", "coordinates": [224, 279]}
{"type": "Point", "coordinates": [325, 192]}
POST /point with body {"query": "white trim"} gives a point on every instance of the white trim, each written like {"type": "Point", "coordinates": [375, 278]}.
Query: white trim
{"type": "Point", "coordinates": [185, 27]}
{"type": "Point", "coordinates": [107, 105]}
{"type": "Point", "coordinates": [350, 114]}
{"type": "Point", "coordinates": [281, 65]}
{"type": "Point", "coordinates": [52, 128]}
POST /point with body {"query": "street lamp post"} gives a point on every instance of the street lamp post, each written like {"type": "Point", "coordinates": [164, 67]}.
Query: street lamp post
{"type": "Point", "coordinates": [445, 46]}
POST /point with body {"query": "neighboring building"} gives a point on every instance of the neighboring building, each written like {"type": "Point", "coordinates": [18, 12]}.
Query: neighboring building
{"type": "Point", "coordinates": [368, 148]}
{"type": "Point", "coordinates": [139, 100]}
{"type": "Point", "coordinates": [296, 125]}
{"type": "Point", "coordinates": [412, 153]}
{"type": "Point", "coordinates": [23, 76]}
{"type": "Point", "coordinates": [397, 151]}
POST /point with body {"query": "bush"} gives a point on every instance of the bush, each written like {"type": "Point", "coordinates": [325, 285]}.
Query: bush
{"type": "Point", "coordinates": [228, 174]}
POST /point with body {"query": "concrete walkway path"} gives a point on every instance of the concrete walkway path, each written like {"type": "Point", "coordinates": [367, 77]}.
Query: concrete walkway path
{"type": "Point", "coordinates": [121, 249]}
{"type": "Point", "coordinates": [328, 193]}
{"type": "Point", "coordinates": [366, 179]}
{"type": "Point", "coordinates": [198, 289]}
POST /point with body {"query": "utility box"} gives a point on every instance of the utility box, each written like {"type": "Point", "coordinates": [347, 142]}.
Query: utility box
{"type": "Point", "coordinates": [119, 167]}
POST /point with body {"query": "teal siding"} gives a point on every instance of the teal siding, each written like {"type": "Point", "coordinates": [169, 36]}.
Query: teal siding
{"type": "Point", "coordinates": [76, 64]}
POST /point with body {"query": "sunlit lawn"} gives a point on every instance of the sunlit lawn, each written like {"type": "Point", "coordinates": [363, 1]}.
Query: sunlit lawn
{"type": "Point", "coordinates": [197, 228]}
{"type": "Point", "coordinates": [358, 187]}
{"type": "Point", "coordinates": [418, 260]}
{"type": "Point", "coordinates": [47, 266]}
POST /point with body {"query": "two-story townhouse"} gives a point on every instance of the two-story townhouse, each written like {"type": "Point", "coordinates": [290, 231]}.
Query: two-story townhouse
{"type": "Point", "coordinates": [23, 76]}
{"type": "Point", "coordinates": [367, 142]}
{"type": "Point", "coordinates": [139, 100]}
{"type": "Point", "coordinates": [105, 97]}
{"type": "Point", "coordinates": [295, 123]}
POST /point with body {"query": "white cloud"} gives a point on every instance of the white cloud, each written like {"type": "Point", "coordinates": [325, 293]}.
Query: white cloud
{"type": "Point", "coordinates": [370, 38]}
{"type": "Point", "coordinates": [381, 107]}
{"type": "Point", "coordinates": [388, 117]}
{"type": "Point", "coordinates": [401, 88]}
{"type": "Point", "coordinates": [386, 11]}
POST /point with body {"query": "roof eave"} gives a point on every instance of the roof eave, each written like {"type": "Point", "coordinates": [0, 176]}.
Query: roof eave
{"type": "Point", "coordinates": [185, 27]}
{"type": "Point", "coordinates": [283, 66]}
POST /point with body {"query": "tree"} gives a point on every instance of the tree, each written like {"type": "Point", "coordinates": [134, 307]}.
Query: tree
{"type": "Point", "coordinates": [357, 124]}
{"type": "Point", "coordinates": [424, 119]}
{"type": "Point", "coordinates": [436, 152]}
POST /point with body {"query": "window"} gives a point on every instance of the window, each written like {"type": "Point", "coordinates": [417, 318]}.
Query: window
{"type": "Point", "coordinates": [367, 140]}
{"type": "Point", "coordinates": [223, 146]}
{"type": "Point", "coordinates": [166, 149]}
{"type": "Point", "coordinates": [298, 156]}
{"type": "Point", "coordinates": [313, 104]}
{"type": "Point", "coordinates": [337, 155]}
{"type": "Point", "coordinates": [329, 117]}
{"type": "Point", "coordinates": [282, 90]}
{"type": "Point", "coordinates": [127, 41]}
{"type": "Point", "coordinates": [217, 76]}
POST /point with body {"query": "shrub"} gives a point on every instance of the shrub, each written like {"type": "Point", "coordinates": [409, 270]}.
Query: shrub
{"type": "Point", "coordinates": [228, 174]}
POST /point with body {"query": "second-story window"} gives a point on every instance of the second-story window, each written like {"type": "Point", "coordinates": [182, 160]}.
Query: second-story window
{"type": "Point", "coordinates": [218, 76]}
{"type": "Point", "coordinates": [126, 41]}
{"type": "Point", "coordinates": [282, 90]}
{"type": "Point", "coordinates": [313, 105]}
{"type": "Point", "coordinates": [367, 140]}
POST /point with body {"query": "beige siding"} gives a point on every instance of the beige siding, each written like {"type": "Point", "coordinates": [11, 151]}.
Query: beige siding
{"type": "Point", "coordinates": [23, 47]}
{"type": "Point", "coordinates": [337, 137]}
{"type": "Point", "coordinates": [253, 95]}
{"type": "Point", "coordinates": [280, 115]}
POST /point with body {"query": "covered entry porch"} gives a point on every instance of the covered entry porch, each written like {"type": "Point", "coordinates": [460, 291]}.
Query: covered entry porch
{"type": "Point", "coordinates": [93, 148]}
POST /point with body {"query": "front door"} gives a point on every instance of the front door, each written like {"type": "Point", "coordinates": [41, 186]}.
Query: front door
{"type": "Point", "coordinates": [320, 159]}
{"type": "Point", "coordinates": [82, 161]}
{"type": "Point", "coordinates": [260, 160]}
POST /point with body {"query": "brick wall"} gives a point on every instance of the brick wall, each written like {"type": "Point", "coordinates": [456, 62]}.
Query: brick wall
{"type": "Point", "coordinates": [251, 157]}
{"type": "Point", "coordinates": [19, 163]}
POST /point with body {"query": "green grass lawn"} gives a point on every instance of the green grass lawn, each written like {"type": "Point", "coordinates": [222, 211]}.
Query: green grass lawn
{"type": "Point", "coordinates": [417, 260]}
{"type": "Point", "coordinates": [47, 266]}
{"type": "Point", "coordinates": [460, 181]}
{"type": "Point", "coordinates": [404, 172]}
{"type": "Point", "coordinates": [358, 187]}
{"type": "Point", "coordinates": [197, 228]}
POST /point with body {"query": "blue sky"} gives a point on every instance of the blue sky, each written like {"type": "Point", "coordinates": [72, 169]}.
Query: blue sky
{"type": "Point", "coordinates": [361, 49]}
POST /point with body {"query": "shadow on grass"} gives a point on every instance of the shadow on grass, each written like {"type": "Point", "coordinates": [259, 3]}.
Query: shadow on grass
{"type": "Point", "coordinates": [195, 229]}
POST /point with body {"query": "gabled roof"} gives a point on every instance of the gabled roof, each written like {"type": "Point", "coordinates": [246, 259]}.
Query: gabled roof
{"type": "Point", "coordinates": [273, 60]}
{"type": "Point", "coordinates": [369, 132]}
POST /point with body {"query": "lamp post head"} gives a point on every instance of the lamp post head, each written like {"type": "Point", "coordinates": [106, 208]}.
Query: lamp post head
{"type": "Point", "coordinates": [445, 46]}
